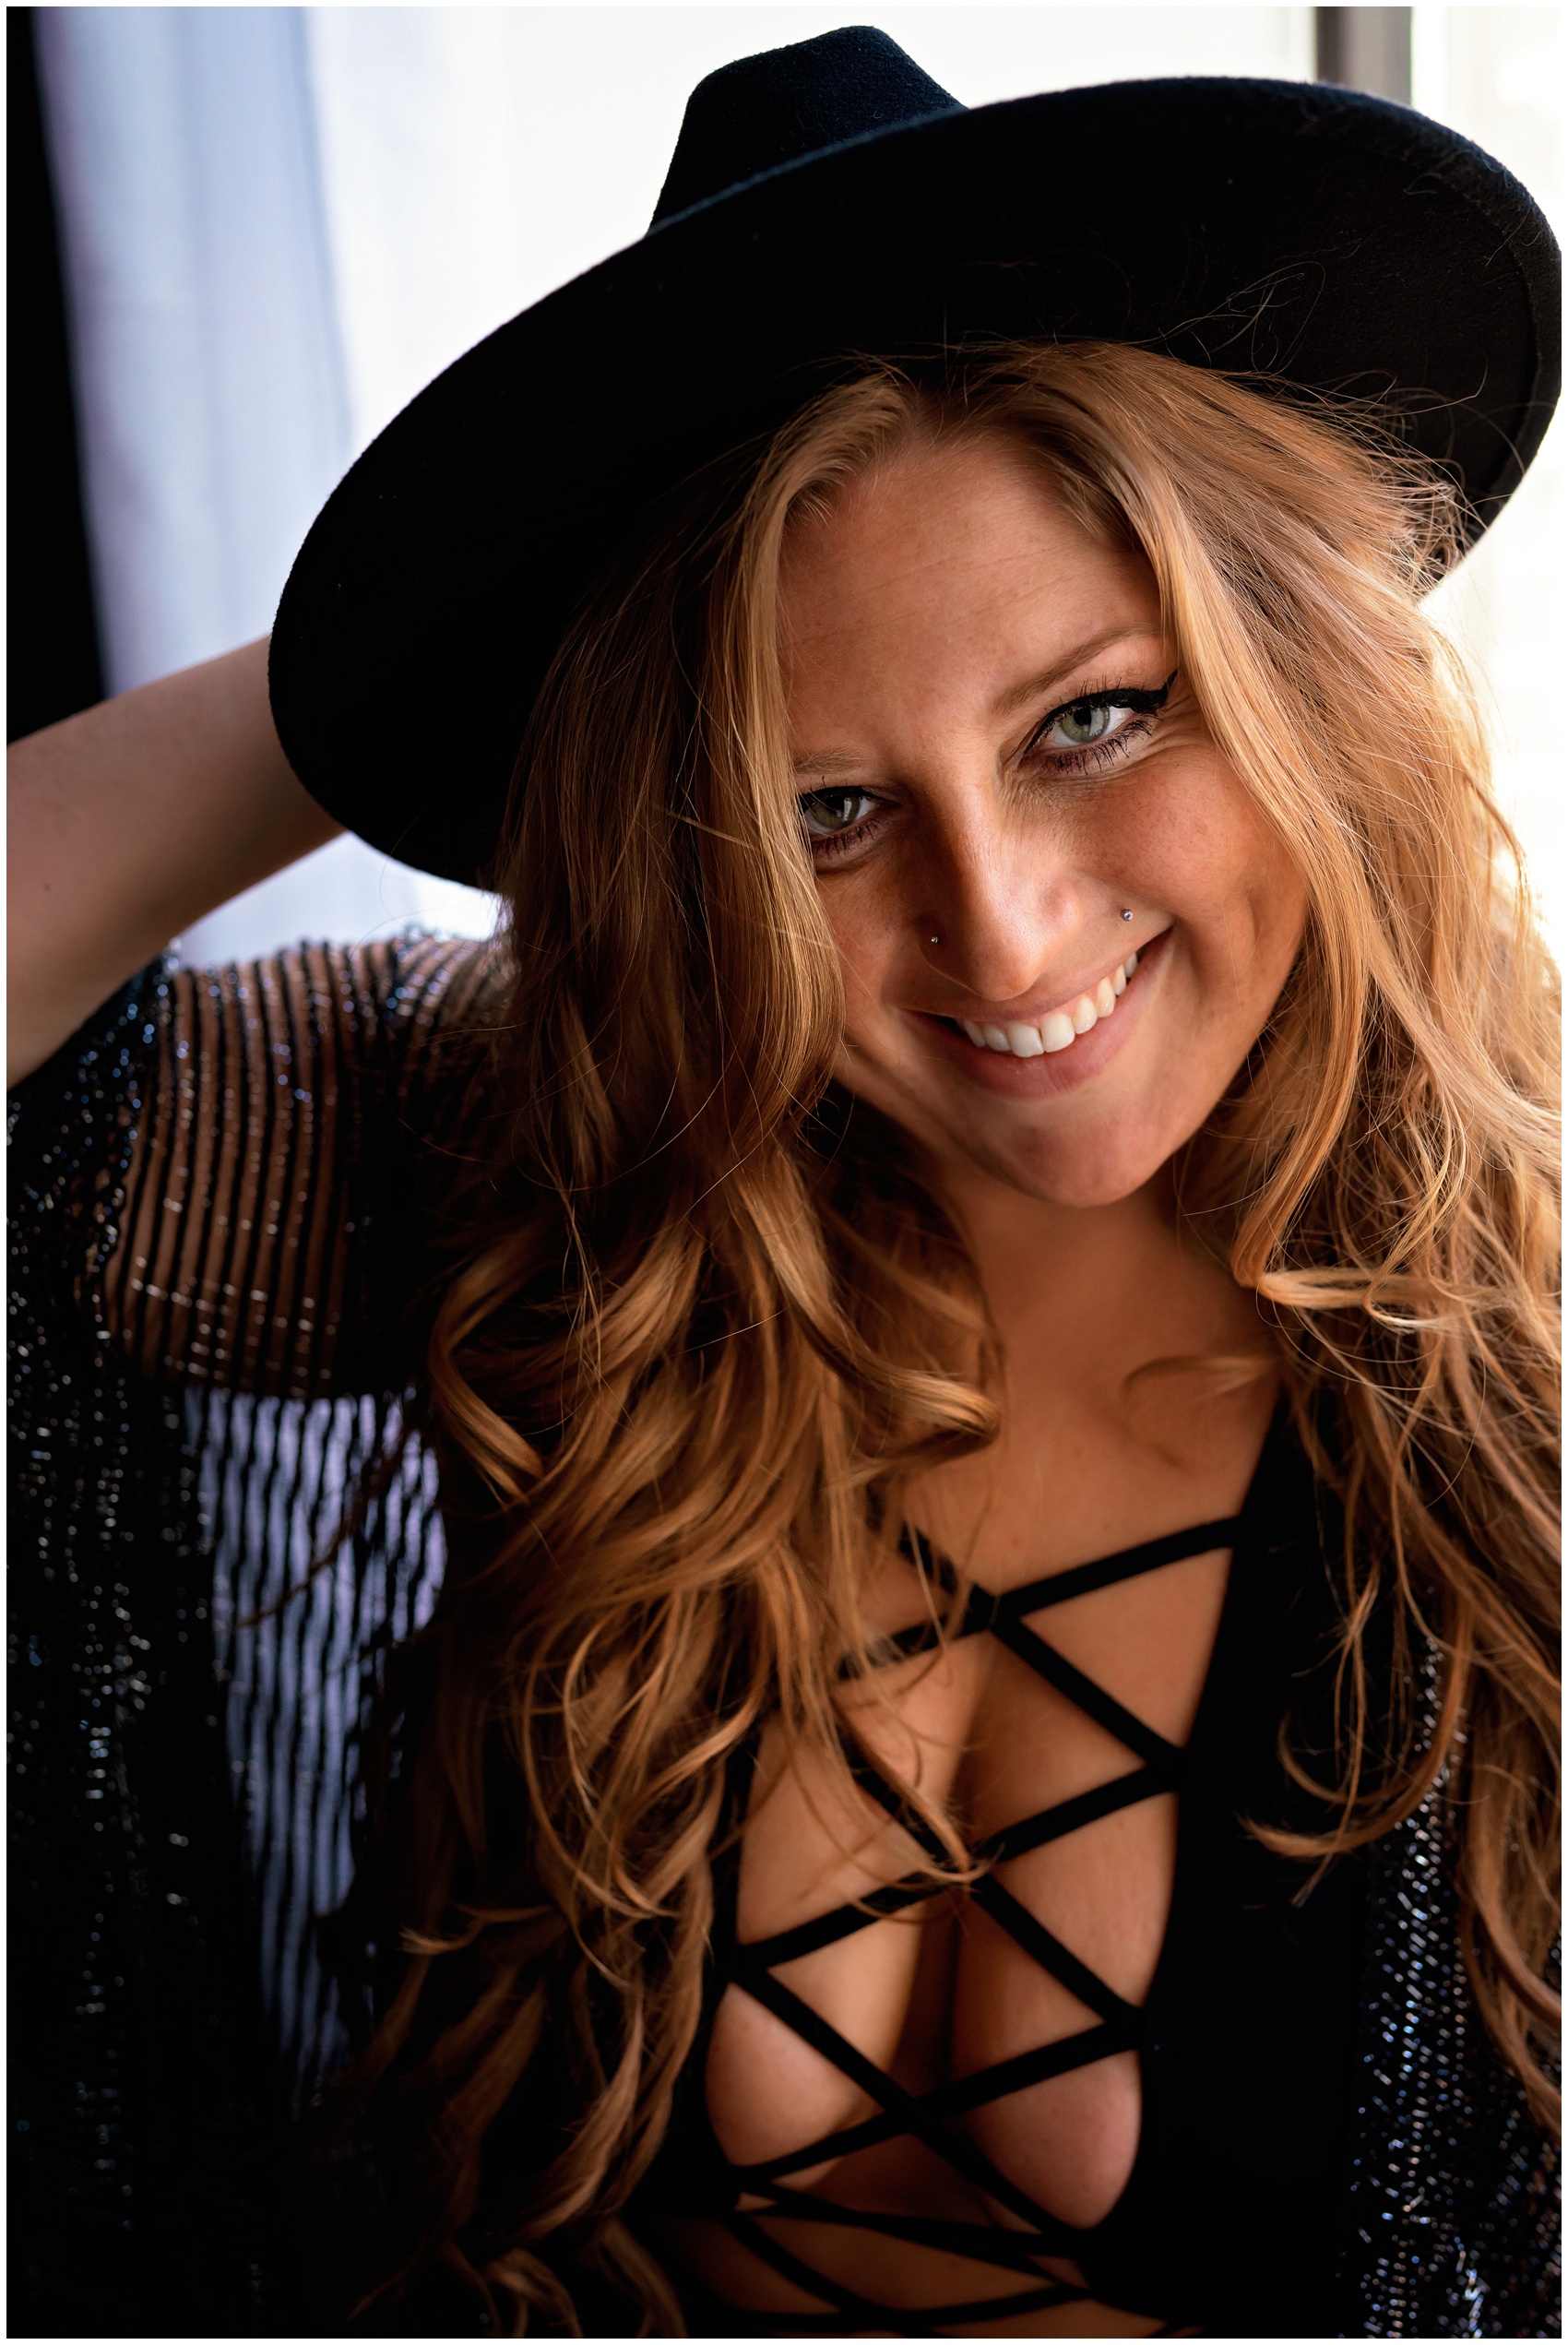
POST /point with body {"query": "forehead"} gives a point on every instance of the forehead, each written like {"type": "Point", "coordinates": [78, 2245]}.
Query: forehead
{"type": "Point", "coordinates": [961, 550]}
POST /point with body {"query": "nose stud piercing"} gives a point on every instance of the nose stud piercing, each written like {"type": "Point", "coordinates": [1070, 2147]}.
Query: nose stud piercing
{"type": "Point", "coordinates": [1126, 915]}
{"type": "Point", "coordinates": [936, 940]}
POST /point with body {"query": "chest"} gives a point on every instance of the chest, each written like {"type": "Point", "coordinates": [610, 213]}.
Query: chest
{"type": "Point", "coordinates": [1048, 1741]}
{"type": "Point", "coordinates": [1185, 2128]}
{"type": "Point", "coordinates": [1045, 1744]}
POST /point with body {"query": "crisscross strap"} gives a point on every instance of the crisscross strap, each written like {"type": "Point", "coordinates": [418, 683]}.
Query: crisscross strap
{"type": "Point", "coordinates": [931, 2116]}
{"type": "Point", "coordinates": [928, 2322]}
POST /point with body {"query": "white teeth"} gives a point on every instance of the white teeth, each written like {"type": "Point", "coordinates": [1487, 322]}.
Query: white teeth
{"type": "Point", "coordinates": [1061, 1026]}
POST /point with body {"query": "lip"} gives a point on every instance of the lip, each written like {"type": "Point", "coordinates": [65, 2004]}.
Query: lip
{"type": "Point", "coordinates": [1060, 1071]}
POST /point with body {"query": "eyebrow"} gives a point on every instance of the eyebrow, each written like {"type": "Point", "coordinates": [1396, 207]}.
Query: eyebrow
{"type": "Point", "coordinates": [1018, 696]}
{"type": "Point", "coordinates": [826, 761]}
{"type": "Point", "coordinates": [1035, 688]}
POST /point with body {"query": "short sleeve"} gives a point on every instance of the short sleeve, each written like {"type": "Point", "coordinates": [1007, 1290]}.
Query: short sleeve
{"type": "Point", "coordinates": [295, 1114]}
{"type": "Point", "coordinates": [223, 1516]}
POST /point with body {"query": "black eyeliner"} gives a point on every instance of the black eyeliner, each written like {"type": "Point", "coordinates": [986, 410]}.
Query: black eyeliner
{"type": "Point", "coordinates": [1141, 699]}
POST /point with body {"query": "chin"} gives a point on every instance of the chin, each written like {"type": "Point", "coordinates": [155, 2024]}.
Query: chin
{"type": "Point", "coordinates": [1107, 1158]}
{"type": "Point", "coordinates": [1079, 1174]}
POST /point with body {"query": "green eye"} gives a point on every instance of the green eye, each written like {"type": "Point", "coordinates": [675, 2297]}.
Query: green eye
{"type": "Point", "coordinates": [1113, 717]}
{"type": "Point", "coordinates": [828, 813]}
{"type": "Point", "coordinates": [1087, 722]}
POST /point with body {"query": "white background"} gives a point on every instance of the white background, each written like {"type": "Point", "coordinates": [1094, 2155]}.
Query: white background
{"type": "Point", "coordinates": [280, 223]}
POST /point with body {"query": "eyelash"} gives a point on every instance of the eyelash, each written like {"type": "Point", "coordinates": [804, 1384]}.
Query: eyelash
{"type": "Point", "coordinates": [1094, 757]}
{"type": "Point", "coordinates": [829, 849]}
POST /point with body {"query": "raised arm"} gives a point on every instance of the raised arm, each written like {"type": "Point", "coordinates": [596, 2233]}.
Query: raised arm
{"type": "Point", "coordinates": [132, 820]}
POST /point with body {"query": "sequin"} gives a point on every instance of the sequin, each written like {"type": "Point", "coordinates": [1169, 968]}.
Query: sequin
{"type": "Point", "coordinates": [211, 1256]}
{"type": "Point", "coordinates": [1454, 2204]}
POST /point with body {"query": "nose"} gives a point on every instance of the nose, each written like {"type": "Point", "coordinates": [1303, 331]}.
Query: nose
{"type": "Point", "coordinates": [1004, 912]}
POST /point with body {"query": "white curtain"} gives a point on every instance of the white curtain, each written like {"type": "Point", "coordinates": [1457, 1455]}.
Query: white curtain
{"type": "Point", "coordinates": [279, 223]}
{"type": "Point", "coordinates": [215, 400]}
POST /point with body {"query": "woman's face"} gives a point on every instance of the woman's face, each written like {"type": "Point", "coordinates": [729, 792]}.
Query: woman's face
{"type": "Point", "coordinates": [1010, 793]}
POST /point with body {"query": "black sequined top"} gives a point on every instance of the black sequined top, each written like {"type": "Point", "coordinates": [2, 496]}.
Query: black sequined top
{"type": "Point", "coordinates": [221, 1192]}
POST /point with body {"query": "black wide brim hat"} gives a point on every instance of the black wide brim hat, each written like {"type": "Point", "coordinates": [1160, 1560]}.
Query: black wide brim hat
{"type": "Point", "coordinates": [829, 201]}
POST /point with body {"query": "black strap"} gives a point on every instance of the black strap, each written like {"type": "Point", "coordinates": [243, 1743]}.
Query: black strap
{"type": "Point", "coordinates": [920, 2114]}
{"type": "Point", "coordinates": [929, 2116]}
{"type": "Point", "coordinates": [1058, 1670]}
{"type": "Point", "coordinates": [1009, 2251]}
{"type": "Point", "coordinates": [901, 2319]}
{"type": "Point", "coordinates": [1071, 1815]}
{"type": "Point", "coordinates": [808, 1937]}
{"type": "Point", "coordinates": [999, 1848]}
{"type": "Point", "coordinates": [1059, 1587]}
{"type": "Point", "coordinates": [1052, 1955]}
{"type": "Point", "coordinates": [1176, 1547]}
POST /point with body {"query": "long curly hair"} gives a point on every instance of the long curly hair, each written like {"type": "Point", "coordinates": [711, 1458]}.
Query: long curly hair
{"type": "Point", "coordinates": [707, 1319]}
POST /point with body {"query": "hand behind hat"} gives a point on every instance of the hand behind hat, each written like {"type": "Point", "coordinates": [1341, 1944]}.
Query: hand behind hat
{"type": "Point", "coordinates": [130, 821]}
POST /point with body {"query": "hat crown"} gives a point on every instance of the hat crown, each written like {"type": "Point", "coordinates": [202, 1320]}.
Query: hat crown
{"type": "Point", "coordinates": [762, 111]}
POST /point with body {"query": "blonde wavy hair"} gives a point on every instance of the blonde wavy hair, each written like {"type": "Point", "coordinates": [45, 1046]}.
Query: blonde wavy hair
{"type": "Point", "coordinates": [712, 1321]}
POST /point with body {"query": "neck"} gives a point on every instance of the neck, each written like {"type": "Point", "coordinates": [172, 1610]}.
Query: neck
{"type": "Point", "coordinates": [1084, 1297]}
{"type": "Point", "coordinates": [1071, 1264]}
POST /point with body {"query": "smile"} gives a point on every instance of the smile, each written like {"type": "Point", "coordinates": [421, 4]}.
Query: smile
{"type": "Point", "coordinates": [1060, 1027]}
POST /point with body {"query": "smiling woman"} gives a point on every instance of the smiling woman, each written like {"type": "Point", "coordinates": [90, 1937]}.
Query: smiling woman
{"type": "Point", "coordinates": [974, 1278]}
{"type": "Point", "coordinates": [1060, 1296]}
{"type": "Point", "coordinates": [936, 617]}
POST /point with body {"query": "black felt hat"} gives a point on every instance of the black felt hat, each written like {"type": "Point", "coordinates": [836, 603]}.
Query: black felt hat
{"type": "Point", "coordinates": [830, 198]}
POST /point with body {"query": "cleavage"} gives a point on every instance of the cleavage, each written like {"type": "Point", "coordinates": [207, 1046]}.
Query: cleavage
{"type": "Point", "coordinates": [994, 1743]}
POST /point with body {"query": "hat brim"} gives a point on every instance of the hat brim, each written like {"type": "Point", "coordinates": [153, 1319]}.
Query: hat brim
{"type": "Point", "coordinates": [1334, 241]}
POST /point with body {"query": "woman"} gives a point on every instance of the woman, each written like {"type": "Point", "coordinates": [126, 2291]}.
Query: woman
{"type": "Point", "coordinates": [976, 1268]}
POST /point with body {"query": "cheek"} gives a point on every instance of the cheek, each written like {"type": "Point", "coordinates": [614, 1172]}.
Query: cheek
{"type": "Point", "coordinates": [1205, 857]}
{"type": "Point", "coordinates": [869, 935]}
{"type": "Point", "coordinates": [1267, 898]}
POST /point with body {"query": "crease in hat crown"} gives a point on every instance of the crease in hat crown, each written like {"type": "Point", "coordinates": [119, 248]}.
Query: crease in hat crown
{"type": "Point", "coordinates": [763, 113]}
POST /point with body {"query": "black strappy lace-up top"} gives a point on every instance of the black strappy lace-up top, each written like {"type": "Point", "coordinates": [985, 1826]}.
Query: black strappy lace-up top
{"type": "Point", "coordinates": [1244, 2042]}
